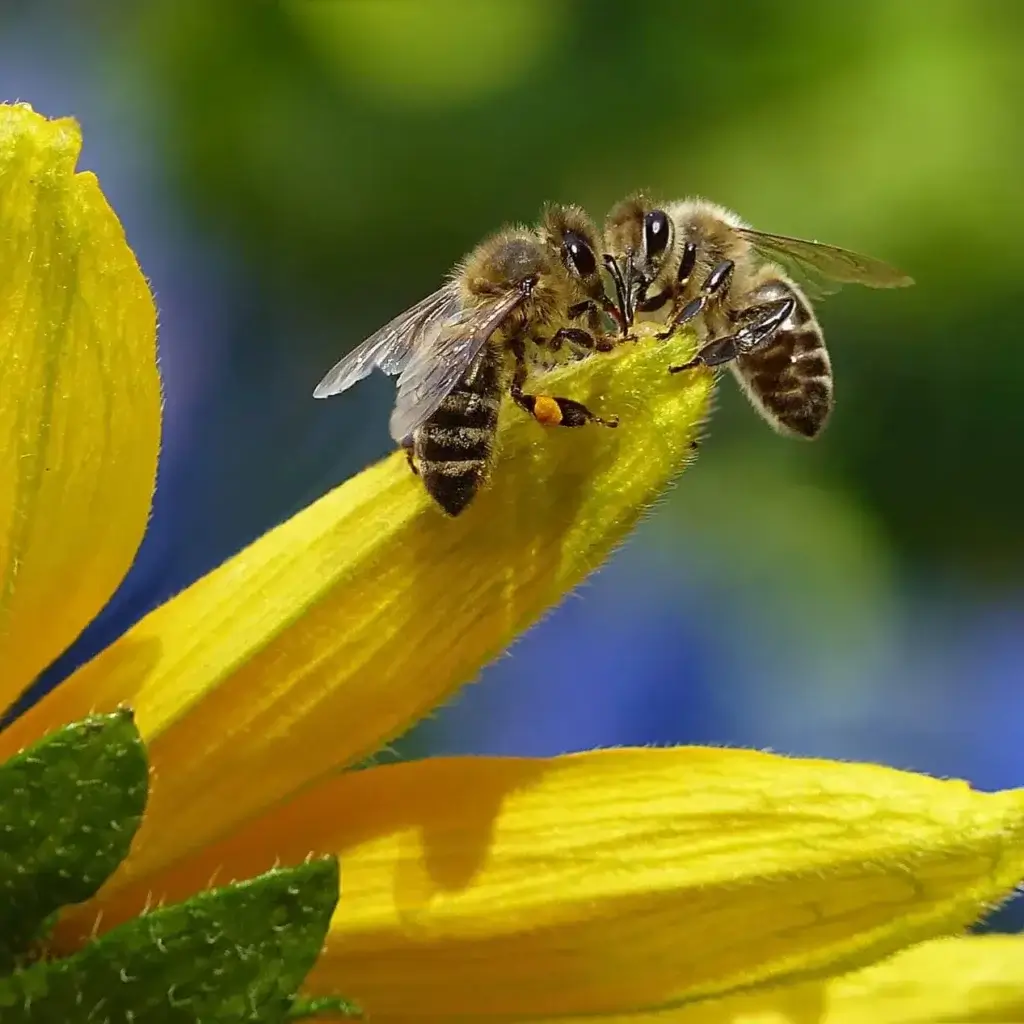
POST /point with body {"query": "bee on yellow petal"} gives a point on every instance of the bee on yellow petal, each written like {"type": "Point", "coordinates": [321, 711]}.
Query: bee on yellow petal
{"type": "Point", "coordinates": [691, 260]}
{"type": "Point", "coordinates": [521, 292]}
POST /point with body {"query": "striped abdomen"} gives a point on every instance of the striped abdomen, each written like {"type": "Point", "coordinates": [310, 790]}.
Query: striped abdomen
{"type": "Point", "coordinates": [453, 448]}
{"type": "Point", "coordinates": [789, 381]}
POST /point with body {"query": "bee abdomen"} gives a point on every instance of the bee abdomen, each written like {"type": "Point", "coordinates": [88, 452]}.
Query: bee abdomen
{"type": "Point", "coordinates": [453, 472]}
{"type": "Point", "coordinates": [791, 380]}
{"type": "Point", "coordinates": [803, 409]}
{"type": "Point", "coordinates": [454, 447]}
{"type": "Point", "coordinates": [467, 409]}
{"type": "Point", "coordinates": [453, 485]}
{"type": "Point", "coordinates": [454, 444]}
{"type": "Point", "coordinates": [793, 356]}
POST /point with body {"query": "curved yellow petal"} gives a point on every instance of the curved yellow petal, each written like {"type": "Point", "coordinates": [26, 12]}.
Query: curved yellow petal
{"type": "Point", "coordinates": [619, 881]}
{"type": "Point", "coordinates": [80, 414]}
{"type": "Point", "coordinates": [332, 633]}
{"type": "Point", "coordinates": [975, 980]}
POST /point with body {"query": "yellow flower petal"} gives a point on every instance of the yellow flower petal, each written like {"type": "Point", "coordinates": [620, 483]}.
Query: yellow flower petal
{"type": "Point", "coordinates": [80, 415]}
{"type": "Point", "coordinates": [617, 881]}
{"type": "Point", "coordinates": [333, 632]}
{"type": "Point", "coordinates": [957, 979]}
{"type": "Point", "coordinates": [977, 980]}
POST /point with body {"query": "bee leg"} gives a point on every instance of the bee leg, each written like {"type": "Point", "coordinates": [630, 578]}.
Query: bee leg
{"type": "Point", "coordinates": [582, 341]}
{"type": "Point", "coordinates": [715, 287]}
{"type": "Point", "coordinates": [652, 303]}
{"type": "Point", "coordinates": [762, 321]}
{"type": "Point", "coordinates": [407, 447]}
{"type": "Point", "coordinates": [757, 333]}
{"type": "Point", "coordinates": [553, 411]}
{"type": "Point", "coordinates": [590, 308]}
{"type": "Point", "coordinates": [645, 303]}
{"type": "Point", "coordinates": [581, 309]}
{"type": "Point", "coordinates": [550, 410]}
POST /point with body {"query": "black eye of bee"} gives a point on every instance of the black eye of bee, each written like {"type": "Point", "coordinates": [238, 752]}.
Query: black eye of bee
{"type": "Point", "coordinates": [655, 232]}
{"type": "Point", "coordinates": [579, 254]}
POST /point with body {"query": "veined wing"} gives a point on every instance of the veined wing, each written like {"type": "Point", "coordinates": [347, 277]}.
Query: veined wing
{"type": "Point", "coordinates": [825, 267]}
{"type": "Point", "coordinates": [434, 371]}
{"type": "Point", "coordinates": [393, 345]}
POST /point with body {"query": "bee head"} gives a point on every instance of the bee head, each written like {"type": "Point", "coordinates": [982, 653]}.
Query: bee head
{"type": "Point", "coordinates": [571, 237]}
{"type": "Point", "coordinates": [638, 241]}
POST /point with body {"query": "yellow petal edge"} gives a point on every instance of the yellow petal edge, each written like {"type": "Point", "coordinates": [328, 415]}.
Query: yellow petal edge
{"type": "Point", "coordinates": [335, 631]}
{"type": "Point", "coordinates": [618, 881]}
{"type": "Point", "coordinates": [80, 413]}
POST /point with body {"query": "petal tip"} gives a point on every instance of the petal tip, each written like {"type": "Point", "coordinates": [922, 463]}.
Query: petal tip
{"type": "Point", "coordinates": [56, 143]}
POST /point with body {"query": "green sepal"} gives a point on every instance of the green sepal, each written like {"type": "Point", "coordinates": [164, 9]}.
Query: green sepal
{"type": "Point", "coordinates": [70, 805]}
{"type": "Point", "coordinates": [311, 1009]}
{"type": "Point", "coordinates": [236, 953]}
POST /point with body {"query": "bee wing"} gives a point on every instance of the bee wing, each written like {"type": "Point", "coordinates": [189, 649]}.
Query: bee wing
{"type": "Point", "coordinates": [825, 267]}
{"type": "Point", "coordinates": [433, 371]}
{"type": "Point", "coordinates": [392, 346]}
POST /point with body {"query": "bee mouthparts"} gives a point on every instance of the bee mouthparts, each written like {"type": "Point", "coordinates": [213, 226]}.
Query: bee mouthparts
{"type": "Point", "coordinates": [622, 290]}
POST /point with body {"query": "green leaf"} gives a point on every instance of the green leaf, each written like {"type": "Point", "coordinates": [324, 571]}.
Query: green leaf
{"type": "Point", "coordinates": [69, 808]}
{"type": "Point", "coordinates": [237, 953]}
{"type": "Point", "coordinates": [310, 1009]}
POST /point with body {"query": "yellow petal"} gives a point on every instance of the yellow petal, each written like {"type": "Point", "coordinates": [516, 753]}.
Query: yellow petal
{"type": "Point", "coordinates": [976, 980]}
{"type": "Point", "coordinates": [80, 414]}
{"type": "Point", "coordinates": [332, 633]}
{"type": "Point", "coordinates": [957, 979]}
{"type": "Point", "coordinates": [617, 881]}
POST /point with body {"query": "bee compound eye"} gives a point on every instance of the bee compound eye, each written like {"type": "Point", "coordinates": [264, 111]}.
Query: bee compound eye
{"type": "Point", "coordinates": [656, 232]}
{"type": "Point", "coordinates": [579, 254]}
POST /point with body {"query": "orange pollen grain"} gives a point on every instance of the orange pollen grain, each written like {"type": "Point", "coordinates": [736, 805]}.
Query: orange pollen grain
{"type": "Point", "coordinates": [546, 411]}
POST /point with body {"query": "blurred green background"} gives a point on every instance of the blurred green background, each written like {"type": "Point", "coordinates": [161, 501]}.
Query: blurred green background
{"type": "Point", "coordinates": [293, 174]}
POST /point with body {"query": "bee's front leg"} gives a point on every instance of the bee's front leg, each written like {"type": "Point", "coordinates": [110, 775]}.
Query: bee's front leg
{"type": "Point", "coordinates": [588, 307]}
{"type": "Point", "coordinates": [592, 309]}
{"type": "Point", "coordinates": [714, 289]}
{"type": "Point", "coordinates": [583, 342]}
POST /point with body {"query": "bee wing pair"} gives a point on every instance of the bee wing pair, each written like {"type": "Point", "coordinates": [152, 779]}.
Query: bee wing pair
{"type": "Point", "coordinates": [824, 268]}
{"type": "Point", "coordinates": [391, 347]}
{"type": "Point", "coordinates": [430, 346]}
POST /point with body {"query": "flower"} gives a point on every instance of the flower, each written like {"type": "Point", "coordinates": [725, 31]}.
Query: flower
{"type": "Point", "coordinates": [608, 883]}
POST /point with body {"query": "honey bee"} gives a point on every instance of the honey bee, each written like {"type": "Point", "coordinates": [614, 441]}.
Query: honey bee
{"type": "Point", "coordinates": [520, 293]}
{"type": "Point", "coordinates": [701, 261]}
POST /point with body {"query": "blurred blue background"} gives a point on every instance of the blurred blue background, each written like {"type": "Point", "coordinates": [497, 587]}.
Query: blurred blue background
{"type": "Point", "coordinates": [291, 175]}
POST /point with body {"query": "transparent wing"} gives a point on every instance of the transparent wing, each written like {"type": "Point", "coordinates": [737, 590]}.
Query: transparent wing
{"type": "Point", "coordinates": [825, 267]}
{"type": "Point", "coordinates": [393, 345]}
{"type": "Point", "coordinates": [433, 372]}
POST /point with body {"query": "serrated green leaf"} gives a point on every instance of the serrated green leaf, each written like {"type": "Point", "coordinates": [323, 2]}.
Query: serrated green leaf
{"type": "Point", "coordinates": [237, 953]}
{"type": "Point", "coordinates": [69, 808]}
{"type": "Point", "coordinates": [311, 1009]}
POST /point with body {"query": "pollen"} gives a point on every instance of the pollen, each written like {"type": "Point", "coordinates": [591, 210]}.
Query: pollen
{"type": "Point", "coordinates": [547, 411]}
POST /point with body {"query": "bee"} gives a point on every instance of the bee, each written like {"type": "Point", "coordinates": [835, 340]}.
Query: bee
{"type": "Point", "coordinates": [520, 293]}
{"type": "Point", "coordinates": [693, 259]}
